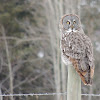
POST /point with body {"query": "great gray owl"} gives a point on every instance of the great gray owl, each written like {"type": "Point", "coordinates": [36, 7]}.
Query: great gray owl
{"type": "Point", "coordinates": [76, 47]}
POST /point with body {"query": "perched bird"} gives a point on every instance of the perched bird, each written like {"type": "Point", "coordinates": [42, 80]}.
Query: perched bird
{"type": "Point", "coordinates": [76, 47]}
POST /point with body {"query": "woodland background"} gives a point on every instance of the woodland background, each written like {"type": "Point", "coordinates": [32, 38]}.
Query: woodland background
{"type": "Point", "coordinates": [30, 59]}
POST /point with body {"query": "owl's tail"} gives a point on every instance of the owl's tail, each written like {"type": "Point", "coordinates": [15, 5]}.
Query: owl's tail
{"type": "Point", "coordinates": [86, 76]}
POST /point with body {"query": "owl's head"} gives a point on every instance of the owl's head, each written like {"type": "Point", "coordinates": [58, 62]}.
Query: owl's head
{"type": "Point", "coordinates": [70, 23]}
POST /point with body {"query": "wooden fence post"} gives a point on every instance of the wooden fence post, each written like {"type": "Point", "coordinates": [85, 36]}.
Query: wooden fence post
{"type": "Point", "coordinates": [73, 85]}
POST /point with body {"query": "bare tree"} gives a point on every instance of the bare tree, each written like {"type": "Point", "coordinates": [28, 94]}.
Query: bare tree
{"type": "Point", "coordinates": [9, 61]}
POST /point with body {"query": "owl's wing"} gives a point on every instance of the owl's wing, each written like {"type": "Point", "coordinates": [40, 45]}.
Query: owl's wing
{"type": "Point", "coordinates": [89, 51]}
{"type": "Point", "coordinates": [89, 59]}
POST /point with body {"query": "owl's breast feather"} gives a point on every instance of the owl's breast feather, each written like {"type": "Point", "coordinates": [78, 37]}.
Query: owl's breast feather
{"type": "Point", "coordinates": [73, 45]}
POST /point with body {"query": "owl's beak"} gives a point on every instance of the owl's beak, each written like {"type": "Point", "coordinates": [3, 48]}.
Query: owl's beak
{"type": "Point", "coordinates": [72, 26]}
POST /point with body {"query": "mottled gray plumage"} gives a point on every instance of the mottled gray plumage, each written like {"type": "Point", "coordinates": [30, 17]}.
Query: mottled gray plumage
{"type": "Point", "coordinates": [76, 47]}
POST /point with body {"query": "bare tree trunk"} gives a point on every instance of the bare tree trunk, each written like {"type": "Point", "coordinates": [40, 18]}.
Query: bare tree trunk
{"type": "Point", "coordinates": [63, 67]}
{"type": "Point", "coordinates": [53, 17]}
{"type": "Point", "coordinates": [9, 61]}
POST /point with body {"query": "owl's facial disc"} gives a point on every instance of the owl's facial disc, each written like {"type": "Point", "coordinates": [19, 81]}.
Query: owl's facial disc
{"type": "Point", "coordinates": [71, 23]}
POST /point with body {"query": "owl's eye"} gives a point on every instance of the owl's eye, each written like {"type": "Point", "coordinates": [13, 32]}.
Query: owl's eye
{"type": "Point", "coordinates": [74, 22]}
{"type": "Point", "coordinates": [68, 22]}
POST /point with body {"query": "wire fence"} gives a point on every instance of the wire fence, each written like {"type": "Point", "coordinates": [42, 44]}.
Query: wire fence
{"type": "Point", "coordinates": [45, 94]}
